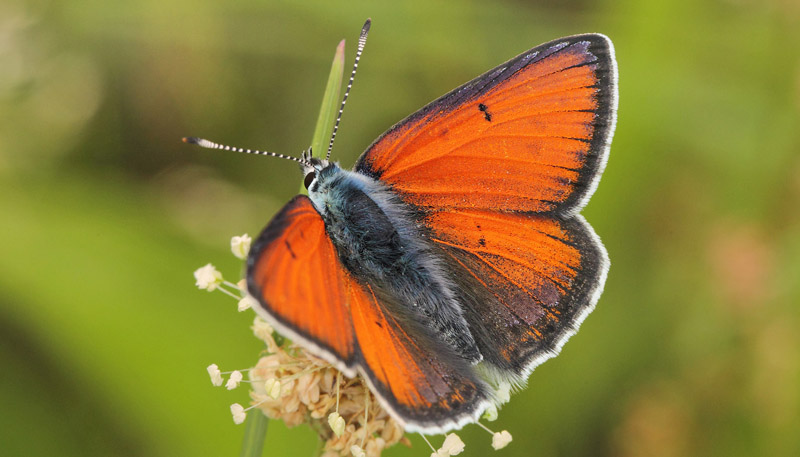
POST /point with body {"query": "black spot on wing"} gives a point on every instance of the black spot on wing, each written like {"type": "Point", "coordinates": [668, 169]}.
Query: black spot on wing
{"type": "Point", "coordinates": [486, 114]}
{"type": "Point", "coordinates": [289, 247]}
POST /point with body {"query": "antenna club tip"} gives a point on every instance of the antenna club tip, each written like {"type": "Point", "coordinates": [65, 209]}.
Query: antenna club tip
{"type": "Point", "coordinates": [191, 140]}
{"type": "Point", "coordinates": [367, 24]}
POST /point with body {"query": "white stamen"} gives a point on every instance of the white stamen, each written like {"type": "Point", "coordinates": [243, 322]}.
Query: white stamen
{"type": "Point", "coordinates": [207, 277]}
{"type": "Point", "coordinates": [240, 246]}
{"type": "Point", "coordinates": [356, 451]}
{"type": "Point", "coordinates": [238, 413]}
{"type": "Point", "coordinates": [234, 380]}
{"type": "Point", "coordinates": [452, 445]}
{"type": "Point", "coordinates": [501, 439]}
{"type": "Point", "coordinates": [246, 303]}
{"type": "Point", "coordinates": [273, 388]}
{"type": "Point", "coordinates": [215, 374]}
{"type": "Point", "coordinates": [337, 423]}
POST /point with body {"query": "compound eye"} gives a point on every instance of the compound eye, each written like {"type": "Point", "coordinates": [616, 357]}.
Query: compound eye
{"type": "Point", "coordinates": [309, 179]}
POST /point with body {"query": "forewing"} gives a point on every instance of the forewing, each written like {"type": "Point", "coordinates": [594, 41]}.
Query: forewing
{"type": "Point", "coordinates": [294, 273]}
{"type": "Point", "coordinates": [530, 135]}
{"type": "Point", "coordinates": [302, 288]}
{"type": "Point", "coordinates": [527, 281]}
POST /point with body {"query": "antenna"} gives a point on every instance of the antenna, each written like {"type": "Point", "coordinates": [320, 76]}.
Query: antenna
{"type": "Point", "coordinates": [211, 145]}
{"type": "Point", "coordinates": [362, 40]}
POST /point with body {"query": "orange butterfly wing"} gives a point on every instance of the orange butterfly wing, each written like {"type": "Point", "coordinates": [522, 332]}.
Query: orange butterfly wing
{"type": "Point", "coordinates": [294, 272]}
{"type": "Point", "coordinates": [531, 280]}
{"type": "Point", "coordinates": [302, 288]}
{"type": "Point", "coordinates": [420, 382]}
{"type": "Point", "coordinates": [531, 135]}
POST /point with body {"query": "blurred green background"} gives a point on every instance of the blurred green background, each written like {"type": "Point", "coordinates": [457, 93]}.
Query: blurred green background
{"type": "Point", "coordinates": [694, 348]}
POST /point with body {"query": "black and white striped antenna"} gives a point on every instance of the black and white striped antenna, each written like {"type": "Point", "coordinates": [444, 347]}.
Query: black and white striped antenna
{"type": "Point", "coordinates": [305, 159]}
{"type": "Point", "coordinates": [203, 143]}
{"type": "Point", "coordinates": [362, 40]}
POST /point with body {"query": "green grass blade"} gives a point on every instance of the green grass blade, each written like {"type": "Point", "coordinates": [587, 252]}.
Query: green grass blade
{"type": "Point", "coordinates": [329, 108]}
{"type": "Point", "coordinates": [330, 104]}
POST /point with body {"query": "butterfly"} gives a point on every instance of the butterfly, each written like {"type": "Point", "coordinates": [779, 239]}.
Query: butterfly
{"type": "Point", "coordinates": [452, 256]}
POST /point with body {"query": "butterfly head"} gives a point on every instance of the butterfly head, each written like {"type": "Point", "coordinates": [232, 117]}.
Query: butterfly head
{"type": "Point", "coordinates": [315, 172]}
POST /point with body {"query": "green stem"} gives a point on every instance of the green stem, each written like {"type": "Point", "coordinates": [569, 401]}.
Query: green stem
{"type": "Point", "coordinates": [319, 449]}
{"type": "Point", "coordinates": [254, 433]}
